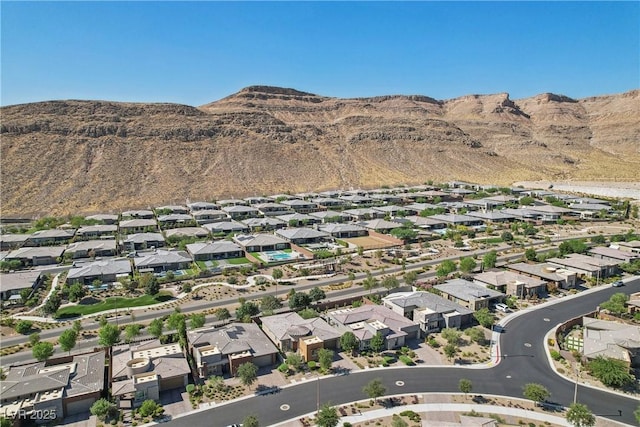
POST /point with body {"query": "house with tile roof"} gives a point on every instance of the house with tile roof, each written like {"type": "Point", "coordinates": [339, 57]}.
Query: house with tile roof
{"type": "Point", "coordinates": [38, 255]}
{"type": "Point", "coordinates": [50, 237]}
{"type": "Point", "coordinates": [558, 276]}
{"type": "Point", "coordinates": [97, 231]}
{"type": "Point", "coordinates": [221, 249]}
{"type": "Point", "coordinates": [512, 283]}
{"type": "Point", "coordinates": [468, 294]}
{"type": "Point", "coordinates": [106, 271]}
{"type": "Point", "coordinates": [303, 236]}
{"type": "Point", "coordinates": [615, 340]}
{"type": "Point", "coordinates": [141, 241]}
{"type": "Point", "coordinates": [91, 248]}
{"type": "Point", "coordinates": [344, 231]}
{"type": "Point", "coordinates": [162, 260]}
{"type": "Point", "coordinates": [11, 284]}
{"type": "Point", "coordinates": [261, 242]}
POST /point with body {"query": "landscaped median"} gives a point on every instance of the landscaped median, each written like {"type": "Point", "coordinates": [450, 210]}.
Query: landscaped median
{"type": "Point", "coordinates": [112, 303]}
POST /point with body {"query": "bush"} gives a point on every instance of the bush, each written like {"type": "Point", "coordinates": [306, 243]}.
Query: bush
{"type": "Point", "coordinates": [191, 388]}
{"type": "Point", "coordinates": [555, 355]}
{"type": "Point", "coordinates": [23, 326]}
{"type": "Point", "coordinates": [433, 343]}
{"type": "Point", "coordinates": [311, 364]}
{"type": "Point", "coordinates": [406, 360]}
{"type": "Point", "coordinates": [284, 368]}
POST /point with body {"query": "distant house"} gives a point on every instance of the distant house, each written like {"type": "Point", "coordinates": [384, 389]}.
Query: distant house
{"type": "Point", "coordinates": [468, 294]}
{"type": "Point", "coordinates": [363, 214]}
{"type": "Point", "coordinates": [105, 271]}
{"type": "Point", "coordinates": [222, 249]}
{"type": "Point", "coordinates": [141, 214]}
{"type": "Point", "coordinates": [300, 206]}
{"type": "Point", "coordinates": [141, 241]}
{"type": "Point", "coordinates": [91, 232]}
{"type": "Point", "coordinates": [108, 219]}
{"type": "Point", "coordinates": [290, 332]}
{"type": "Point", "coordinates": [550, 213]}
{"type": "Point", "coordinates": [394, 210]}
{"type": "Point", "coordinates": [143, 371]}
{"type": "Point", "coordinates": [273, 209]}
{"type": "Point", "coordinates": [12, 241]}
{"type": "Point", "coordinates": [202, 206]}
{"type": "Point", "coordinates": [176, 220]}
{"type": "Point", "coordinates": [63, 389]}
{"type": "Point", "coordinates": [559, 277]}
{"type": "Point", "coordinates": [238, 212]}
{"type": "Point", "coordinates": [611, 339]}
{"type": "Point", "coordinates": [50, 237]}
{"type": "Point", "coordinates": [226, 227]}
{"type": "Point", "coordinates": [207, 216]}
{"type": "Point", "coordinates": [586, 266]}
{"type": "Point", "coordinates": [380, 225]}
{"type": "Point", "coordinates": [171, 209]}
{"type": "Point", "coordinates": [492, 216]}
{"type": "Point", "coordinates": [298, 219]}
{"type": "Point", "coordinates": [327, 217]}
{"type": "Point", "coordinates": [261, 242]}
{"type": "Point", "coordinates": [264, 224]}
{"type": "Point", "coordinates": [344, 231]}
{"type": "Point", "coordinates": [303, 236]}
{"type": "Point", "coordinates": [329, 202]}
{"type": "Point", "coordinates": [14, 283]}
{"type": "Point", "coordinates": [430, 311]}
{"type": "Point", "coordinates": [356, 199]}
{"type": "Point", "coordinates": [614, 254]}
{"type": "Point", "coordinates": [160, 260]}
{"type": "Point", "coordinates": [184, 232]}
{"type": "Point", "coordinates": [32, 256]}
{"type": "Point", "coordinates": [368, 320]}
{"type": "Point", "coordinates": [131, 226]}
{"type": "Point", "coordinates": [512, 283]}
{"type": "Point", "coordinates": [632, 246]}
{"type": "Point", "coordinates": [218, 351]}
{"type": "Point", "coordinates": [427, 223]}
{"type": "Point", "coordinates": [454, 220]}
{"type": "Point", "coordinates": [91, 248]}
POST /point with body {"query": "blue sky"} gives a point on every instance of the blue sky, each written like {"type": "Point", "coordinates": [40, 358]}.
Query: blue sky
{"type": "Point", "coordinates": [198, 52]}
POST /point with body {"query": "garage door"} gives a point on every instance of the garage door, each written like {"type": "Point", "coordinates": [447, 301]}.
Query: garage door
{"type": "Point", "coordinates": [171, 383]}
{"type": "Point", "coordinates": [79, 406]}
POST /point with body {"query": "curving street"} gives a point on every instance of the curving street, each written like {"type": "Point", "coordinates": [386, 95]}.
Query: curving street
{"type": "Point", "coordinates": [519, 364]}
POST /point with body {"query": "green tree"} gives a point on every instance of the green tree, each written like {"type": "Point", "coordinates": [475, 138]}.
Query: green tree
{"type": "Point", "coordinates": [349, 342]}
{"type": "Point", "coordinates": [374, 389]}
{"type": "Point", "coordinates": [23, 326]}
{"type": "Point", "coordinates": [572, 246]}
{"type": "Point", "coordinates": [68, 339]}
{"type": "Point", "coordinates": [308, 313]}
{"type": "Point", "coordinates": [5, 422]}
{"type": "Point", "coordinates": [377, 342]}
{"type": "Point", "coordinates": [277, 274]}
{"type": "Point", "coordinates": [579, 415]}
{"type": "Point", "coordinates": [370, 282]}
{"type": "Point", "coordinates": [325, 358]}
{"type": "Point", "coordinates": [294, 360]}
{"type": "Point", "coordinates": [404, 233]}
{"type": "Point", "coordinates": [327, 416]}
{"type": "Point", "coordinates": [526, 201]}
{"type": "Point", "coordinates": [299, 300]}
{"type": "Point", "coordinates": [156, 327]}
{"type": "Point", "coordinates": [197, 320]}
{"type": "Point", "coordinates": [535, 392]}
{"type": "Point", "coordinates": [131, 331]}
{"type": "Point", "coordinates": [506, 236]}
{"type": "Point", "coordinates": [317, 294]}
{"type": "Point", "coordinates": [450, 350]}
{"type": "Point", "coordinates": [598, 239]}
{"type": "Point", "coordinates": [178, 322]}
{"type": "Point", "coordinates": [490, 259]}
{"type": "Point", "coordinates": [150, 284]}
{"type": "Point", "coordinates": [222, 313]}
{"type": "Point", "coordinates": [530, 254]}
{"type": "Point", "coordinates": [485, 317]}
{"type": "Point", "coordinates": [250, 421]}
{"type": "Point", "coordinates": [397, 421]}
{"type": "Point", "coordinates": [108, 335]}
{"type": "Point", "coordinates": [52, 304]}
{"type": "Point", "coordinates": [410, 278]}
{"type": "Point", "coordinates": [34, 338]}
{"type": "Point", "coordinates": [42, 351]}
{"type": "Point", "coordinates": [103, 409]}
{"type": "Point", "coordinates": [467, 264]}
{"type": "Point", "coordinates": [636, 414]}
{"type": "Point", "coordinates": [360, 250]}
{"type": "Point", "coordinates": [445, 268]}
{"type": "Point", "coordinates": [390, 282]}
{"type": "Point", "coordinates": [149, 408]}
{"type": "Point", "coordinates": [476, 335]}
{"type": "Point", "coordinates": [77, 326]}
{"type": "Point", "coordinates": [25, 294]}
{"type": "Point", "coordinates": [451, 335]}
{"type": "Point", "coordinates": [247, 310]}
{"type": "Point", "coordinates": [248, 373]}
{"type": "Point", "coordinates": [615, 304]}
{"type": "Point", "coordinates": [465, 386]}
{"type": "Point", "coordinates": [612, 372]}
{"type": "Point", "coordinates": [77, 291]}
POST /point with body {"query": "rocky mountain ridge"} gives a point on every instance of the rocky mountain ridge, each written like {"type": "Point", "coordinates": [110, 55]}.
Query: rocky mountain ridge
{"type": "Point", "coordinates": [62, 157]}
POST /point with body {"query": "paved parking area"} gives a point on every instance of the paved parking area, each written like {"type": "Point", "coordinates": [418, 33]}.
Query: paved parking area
{"type": "Point", "coordinates": [175, 402]}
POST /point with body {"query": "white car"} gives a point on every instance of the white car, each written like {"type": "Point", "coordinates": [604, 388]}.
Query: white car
{"type": "Point", "coordinates": [502, 307]}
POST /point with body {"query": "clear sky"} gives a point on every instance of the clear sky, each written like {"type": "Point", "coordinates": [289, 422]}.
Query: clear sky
{"type": "Point", "coordinates": [198, 52]}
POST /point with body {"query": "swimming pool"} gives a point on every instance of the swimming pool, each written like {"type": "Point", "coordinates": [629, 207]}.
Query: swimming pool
{"type": "Point", "coordinates": [272, 256]}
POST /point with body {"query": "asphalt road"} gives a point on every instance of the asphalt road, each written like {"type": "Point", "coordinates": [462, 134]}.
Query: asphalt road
{"type": "Point", "coordinates": [520, 364]}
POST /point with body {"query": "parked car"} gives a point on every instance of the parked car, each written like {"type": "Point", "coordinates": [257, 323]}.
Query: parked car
{"type": "Point", "coordinates": [617, 284]}
{"type": "Point", "coordinates": [502, 307]}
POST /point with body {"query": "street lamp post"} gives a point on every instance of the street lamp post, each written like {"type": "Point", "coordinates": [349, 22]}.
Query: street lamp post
{"type": "Point", "coordinates": [575, 390]}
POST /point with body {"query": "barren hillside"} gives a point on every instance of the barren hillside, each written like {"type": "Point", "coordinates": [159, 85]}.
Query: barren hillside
{"type": "Point", "coordinates": [61, 157]}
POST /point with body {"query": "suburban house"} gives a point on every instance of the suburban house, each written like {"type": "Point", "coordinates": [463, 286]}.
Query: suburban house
{"type": "Point", "coordinates": [141, 214]}
{"type": "Point", "coordinates": [162, 260]}
{"type": "Point", "coordinates": [512, 283]}
{"type": "Point", "coordinates": [273, 209]}
{"type": "Point", "coordinates": [221, 249]}
{"type": "Point", "coordinates": [144, 371]}
{"type": "Point", "coordinates": [297, 219]}
{"type": "Point", "coordinates": [327, 217]}
{"type": "Point", "coordinates": [430, 311]}
{"type": "Point", "coordinates": [195, 232]}
{"type": "Point", "coordinates": [261, 242]}
{"type": "Point", "coordinates": [589, 210]}
{"type": "Point", "coordinates": [257, 200]}
{"type": "Point", "coordinates": [98, 231]}
{"type": "Point", "coordinates": [207, 216]}
{"type": "Point", "coordinates": [108, 219]}
{"type": "Point", "coordinates": [632, 246]}
{"type": "Point", "coordinates": [303, 236]}
{"type": "Point", "coordinates": [363, 214]}
{"type": "Point", "coordinates": [468, 294]}
{"type": "Point", "coordinates": [105, 271]}
{"type": "Point", "coordinates": [232, 202]}
{"type": "Point", "coordinates": [63, 387]}
{"type": "Point", "coordinates": [239, 212]}
{"type": "Point", "coordinates": [91, 248]}
{"type": "Point", "coordinates": [171, 209]}
{"type": "Point", "coordinates": [141, 241]}
{"type": "Point", "coordinates": [263, 224]}
{"type": "Point", "coordinates": [380, 225]}
{"type": "Point", "coordinates": [394, 210]}
{"type": "Point", "coordinates": [202, 206]}
{"type": "Point", "coordinates": [453, 220]}
{"type": "Point", "coordinates": [523, 214]}
{"type": "Point", "coordinates": [611, 339]}
{"type": "Point", "coordinates": [218, 351]}
{"type": "Point", "coordinates": [176, 220]}
{"type": "Point", "coordinates": [226, 227]}
{"type": "Point", "coordinates": [344, 231]}
{"type": "Point", "coordinates": [12, 241]}
{"type": "Point", "coordinates": [368, 320]}
{"type": "Point", "coordinates": [586, 266]}
{"type": "Point", "coordinates": [550, 213]}
{"type": "Point", "coordinates": [300, 206]}
{"type": "Point", "coordinates": [386, 198]}
{"type": "Point", "coordinates": [39, 255]}
{"type": "Point", "coordinates": [329, 202]}
{"type": "Point", "coordinates": [50, 237]}
{"type": "Point", "coordinates": [14, 283]}
{"type": "Point", "coordinates": [427, 223]}
{"type": "Point", "coordinates": [492, 216]}
{"type": "Point", "coordinates": [614, 254]}
{"type": "Point", "coordinates": [559, 277]}
{"type": "Point", "coordinates": [357, 199]}
{"type": "Point", "coordinates": [290, 332]}
{"type": "Point", "coordinates": [138, 225]}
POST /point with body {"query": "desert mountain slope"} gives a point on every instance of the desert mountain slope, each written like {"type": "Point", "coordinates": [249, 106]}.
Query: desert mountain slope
{"type": "Point", "coordinates": [62, 157]}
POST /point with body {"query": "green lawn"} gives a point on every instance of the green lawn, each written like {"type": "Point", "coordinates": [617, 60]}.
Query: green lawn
{"type": "Point", "coordinates": [242, 260]}
{"type": "Point", "coordinates": [203, 266]}
{"type": "Point", "coordinates": [112, 303]}
{"type": "Point", "coordinates": [489, 240]}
